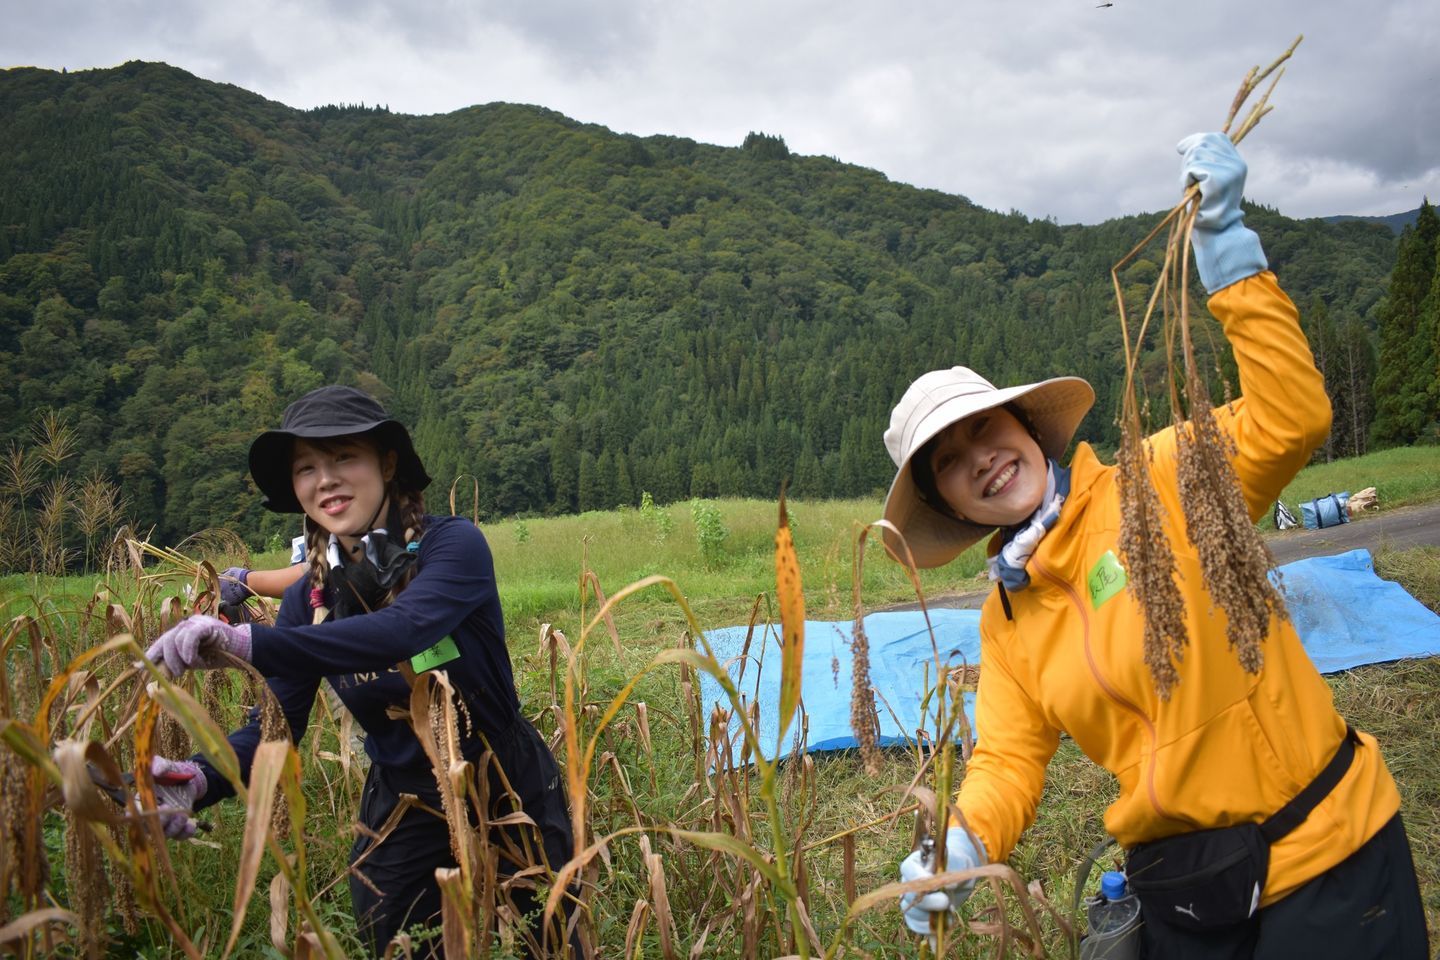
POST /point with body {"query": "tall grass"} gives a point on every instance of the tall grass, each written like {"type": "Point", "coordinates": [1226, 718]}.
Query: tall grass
{"type": "Point", "coordinates": [539, 576]}
{"type": "Point", "coordinates": [82, 708]}
{"type": "Point", "coordinates": [49, 518]}
{"type": "Point", "coordinates": [689, 841]}
{"type": "Point", "coordinates": [1401, 477]}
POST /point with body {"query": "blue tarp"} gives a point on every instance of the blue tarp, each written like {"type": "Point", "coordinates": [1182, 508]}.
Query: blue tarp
{"type": "Point", "coordinates": [1345, 614]}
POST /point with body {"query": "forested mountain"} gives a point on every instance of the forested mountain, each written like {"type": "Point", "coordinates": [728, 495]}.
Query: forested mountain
{"type": "Point", "coordinates": [1395, 221]}
{"type": "Point", "coordinates": [571, 315]}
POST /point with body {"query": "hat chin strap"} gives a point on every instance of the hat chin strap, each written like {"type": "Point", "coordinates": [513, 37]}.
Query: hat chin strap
{"type": "Point", "coordinates": [370, 526]}
{"type": "Point", "coordinates": [384, 502]}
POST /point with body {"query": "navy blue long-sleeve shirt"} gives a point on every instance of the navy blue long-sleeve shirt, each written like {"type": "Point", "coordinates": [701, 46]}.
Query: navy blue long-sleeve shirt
{"type": "Point", "coordinates": [453, 595]}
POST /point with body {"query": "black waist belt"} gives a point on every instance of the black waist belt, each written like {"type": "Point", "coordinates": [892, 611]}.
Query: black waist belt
{"type": "Point", "coordinates": [1290, 816]}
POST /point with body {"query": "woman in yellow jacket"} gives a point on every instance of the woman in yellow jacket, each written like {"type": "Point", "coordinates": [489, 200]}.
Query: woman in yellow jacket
{"type": "Point", "coordinates": [1199, 772]}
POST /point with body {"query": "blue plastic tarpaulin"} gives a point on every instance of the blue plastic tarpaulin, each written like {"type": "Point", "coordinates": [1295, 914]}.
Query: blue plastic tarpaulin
{"type": "Point", "coordinates": [1345, 615]}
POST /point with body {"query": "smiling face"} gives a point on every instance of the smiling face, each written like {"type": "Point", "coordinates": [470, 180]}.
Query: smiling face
{"type": "Point", "coordinates": [340, 483]}
{"type": "Point", "coordinates": [989, 469]}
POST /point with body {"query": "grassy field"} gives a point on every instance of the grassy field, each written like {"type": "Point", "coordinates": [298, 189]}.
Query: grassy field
{"type": "Point", "coordinates": [539, 569]}
{"type": "Point", "coordinates": [651, 763]}
{"type": "Point", "coordinates": [1401, 476]}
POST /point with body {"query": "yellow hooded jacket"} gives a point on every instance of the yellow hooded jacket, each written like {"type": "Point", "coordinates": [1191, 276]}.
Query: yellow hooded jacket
{"type": "Point", "coordinates": [1228, 747]}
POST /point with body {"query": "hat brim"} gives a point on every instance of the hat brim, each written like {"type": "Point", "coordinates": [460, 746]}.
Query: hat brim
{"type": "Point", "coordinates": [270, 459]}
{"type": "Point", "coordinates": [1055, 408]}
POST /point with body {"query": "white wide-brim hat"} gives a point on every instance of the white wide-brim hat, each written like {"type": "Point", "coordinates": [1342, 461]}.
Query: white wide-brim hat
{"type": "Point", "coordinates": [1055, 408]}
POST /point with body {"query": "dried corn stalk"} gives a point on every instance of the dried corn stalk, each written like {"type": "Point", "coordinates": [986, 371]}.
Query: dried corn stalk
{"type": "Point", "coordinates": [1234, 561]}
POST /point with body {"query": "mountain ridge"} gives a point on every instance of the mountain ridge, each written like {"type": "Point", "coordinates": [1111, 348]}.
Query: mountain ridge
{"type": "Point", "coordinates": [569, 314]}
{"type": "Point", "coordinates": [1397, 222]}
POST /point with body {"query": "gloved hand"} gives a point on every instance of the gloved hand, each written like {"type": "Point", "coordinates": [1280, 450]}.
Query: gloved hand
{"type": "Point", "coordinates": [196, 644]}
{"type": "Point", "coordinates": [233, 587]}
{"type": "Point", "coordinates": [961, 853]}
{"type": "Point", "coordinates": [179, 785]}
{"type": "Point", "coordinates": [1226, 251]}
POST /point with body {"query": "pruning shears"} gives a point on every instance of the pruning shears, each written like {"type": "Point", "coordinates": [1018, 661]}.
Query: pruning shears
{"type": "Point", "coordinates": [122, 792]}
{"type": "Point", "coordinates": [233, 613]}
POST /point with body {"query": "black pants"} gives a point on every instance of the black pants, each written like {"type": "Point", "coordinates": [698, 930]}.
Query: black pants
{"type": "Point", "coordinates": [1368, 905]}
{"type": "Point", "coordinates": [401, 869]}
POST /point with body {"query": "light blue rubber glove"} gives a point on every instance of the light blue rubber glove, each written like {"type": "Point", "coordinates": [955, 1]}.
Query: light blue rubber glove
{"type": "Point", "coordinates": [961, 853]}
{"type": "Point", "coordinates": [1226, 251]}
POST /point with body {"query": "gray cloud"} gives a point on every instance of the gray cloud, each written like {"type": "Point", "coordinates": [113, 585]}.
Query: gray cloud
{"type": "Point", "coordinates": [1052, 107]}
{"type": "Point", "coordinates": [578, 36]}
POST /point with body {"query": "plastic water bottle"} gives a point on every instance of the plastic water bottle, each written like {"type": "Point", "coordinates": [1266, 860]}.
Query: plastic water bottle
{"type": "Point", "coordinates": [1114, 922]}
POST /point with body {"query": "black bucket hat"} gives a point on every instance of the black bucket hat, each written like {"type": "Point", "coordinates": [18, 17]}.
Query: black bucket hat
{"type": "Point", "coordinates": [332, 411]}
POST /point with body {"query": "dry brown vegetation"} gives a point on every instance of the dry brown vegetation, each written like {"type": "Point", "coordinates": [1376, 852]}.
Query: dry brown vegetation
{"type": "Point", "coordinates": [710, 844]}
{"type": "Point", "coordinates": [681, 839]}
{"type": "Point", "coordinates": [1233, 559]}
{"type": "Point", "coordinates": [49, 518]}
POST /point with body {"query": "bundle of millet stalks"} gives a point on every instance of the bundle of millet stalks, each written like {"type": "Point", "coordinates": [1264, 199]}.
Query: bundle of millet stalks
{"type": "Point", "coordinates": [1234, 560]}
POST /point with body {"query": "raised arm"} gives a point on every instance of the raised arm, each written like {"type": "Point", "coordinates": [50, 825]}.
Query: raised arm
{"type": "Point", "coordinates": [1283, 412]}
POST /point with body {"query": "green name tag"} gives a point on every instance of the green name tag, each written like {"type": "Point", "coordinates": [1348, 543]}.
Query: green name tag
{"type": "Point", "coordinates": [443, 652]}
{"type": "Point", "coordinates": [1107, 578]}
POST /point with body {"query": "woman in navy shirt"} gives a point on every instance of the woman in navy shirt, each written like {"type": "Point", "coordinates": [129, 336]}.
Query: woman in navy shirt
{"type": "Point", "coordinates": [385, 585]}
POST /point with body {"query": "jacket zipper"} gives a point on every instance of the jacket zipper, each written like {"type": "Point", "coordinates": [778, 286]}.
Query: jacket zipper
{"type": "Point", "coordinates": [1109, 690]}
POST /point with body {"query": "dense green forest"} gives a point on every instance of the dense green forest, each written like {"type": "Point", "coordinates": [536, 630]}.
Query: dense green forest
{"type": "Point", "coordinates": [571, 315]}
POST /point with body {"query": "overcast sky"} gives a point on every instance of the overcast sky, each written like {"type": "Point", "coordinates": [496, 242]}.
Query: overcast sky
{"type": "Point", "coordinates": [1061, 109]}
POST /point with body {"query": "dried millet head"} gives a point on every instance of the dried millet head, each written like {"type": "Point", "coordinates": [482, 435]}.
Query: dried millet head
{"type": "Point", "coordinates": [862, 701]}
{"type": "Point", "coordinates": [1150, 563]}
{"type": "Point", "coordinates": [124, 890]}
{"type": "Point", "coordinates": [274, 726]}
{"type": "Point", "coordinates": [85, 876]}
{"type": "Point", "coordinates": [1234, 560]}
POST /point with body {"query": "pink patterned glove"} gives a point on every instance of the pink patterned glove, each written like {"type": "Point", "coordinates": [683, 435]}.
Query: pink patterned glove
{"type": "Point", "coordinates": [197, 644]}
{"type": "Point", "coordinates": [179, 784]}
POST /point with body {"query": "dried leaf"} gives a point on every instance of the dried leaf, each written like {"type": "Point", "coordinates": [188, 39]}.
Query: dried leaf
{"type": "Point", "coordinates": [279, 912]}
{"type": "Point", "coordinates": [639, 917]}
{"type": "Point", "coordinates": [270, 759]}
{"type": "Point", "coordinates": [655, 869]}
{"type": "Point", "coordinates": [791, 596]}
{"type": "Point", "coordinates": [23, 926]}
